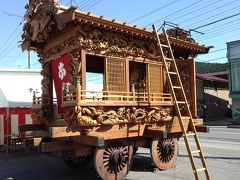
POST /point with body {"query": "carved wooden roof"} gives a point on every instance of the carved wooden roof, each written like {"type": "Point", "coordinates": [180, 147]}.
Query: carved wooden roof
{"type": "Point", "coordinates": [41, 16]}
{"type": "Point", "coordinates": [132, 29]}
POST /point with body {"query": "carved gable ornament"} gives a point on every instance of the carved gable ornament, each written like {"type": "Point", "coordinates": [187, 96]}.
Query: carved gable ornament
{"type": "Point", "coordinates": [38, 21]}
{"type": "Point", "coordinates": [40, 18]}
{"type": "Point", "coordinates": [46, 18]}
{"type": "Point", "coordinates": [106, 42]}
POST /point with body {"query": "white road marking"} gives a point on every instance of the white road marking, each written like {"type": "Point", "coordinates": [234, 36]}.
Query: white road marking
{"type": "Point", "coordinates": [227, 142]}
{"type": "Point", "coordinates": [223, 133]}
{"type": "Point", "coordinates": [212, 141]}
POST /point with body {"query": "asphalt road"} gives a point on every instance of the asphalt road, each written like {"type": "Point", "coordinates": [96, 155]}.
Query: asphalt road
{"type": "Point", "coordinates": [221, 148]}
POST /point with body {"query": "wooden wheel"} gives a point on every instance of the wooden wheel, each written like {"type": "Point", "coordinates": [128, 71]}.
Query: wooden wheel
{"type": "Point", "coordinates": [75, 162]}
{"type": "Point", "coordinates": [112, 162]}
{"type": "Point", "coordinates": [164, 152]}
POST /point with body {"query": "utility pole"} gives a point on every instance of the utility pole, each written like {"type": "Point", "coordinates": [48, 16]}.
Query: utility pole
{"type": "Point", "coordinates": [29, 60]}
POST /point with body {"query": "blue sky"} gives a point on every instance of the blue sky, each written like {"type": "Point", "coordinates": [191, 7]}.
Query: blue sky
{"type": "Point", "coordinates": [188, 14]}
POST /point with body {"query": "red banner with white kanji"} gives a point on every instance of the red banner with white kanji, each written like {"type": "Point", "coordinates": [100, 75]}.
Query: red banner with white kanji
{"type": "Point", "coordinates": [60, 72]}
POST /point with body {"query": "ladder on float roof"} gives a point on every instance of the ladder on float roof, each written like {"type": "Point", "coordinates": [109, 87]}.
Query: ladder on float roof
{"type": "Point", "coordinates": [180, 102]}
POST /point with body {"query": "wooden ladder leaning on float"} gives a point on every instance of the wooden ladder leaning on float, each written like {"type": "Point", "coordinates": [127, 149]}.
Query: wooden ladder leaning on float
{"type": "Point", "coordinates": [180, 102]}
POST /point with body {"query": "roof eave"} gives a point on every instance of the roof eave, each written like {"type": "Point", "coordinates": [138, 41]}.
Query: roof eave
{"type": "Point", "coordinates": [132, 29]}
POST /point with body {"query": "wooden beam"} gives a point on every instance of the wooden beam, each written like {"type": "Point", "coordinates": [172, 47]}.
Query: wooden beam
{"type": "Point", "coordinates": [127, 75]}
{"type": "Point", "coordinates": [198, 121]}
{"type": "Point", "coordinates": [30, 127]}
{"type": "Point", "coordinates": [67, 145]}
{"type": "Point", "coordinates": [59, 38]}
{"type": "Point", "coordinates": [106, 132]}
{"type": "Point", "coordinates": [140, 142]}
{"type": "Point", "coordinates": [118, 131]}
{"type": "Point", "coordinates": [58, 123]}
{"type": "Point", "coordinates": [65, 51]}
{"type": "Point", "coordinates": [65, 16]}
{"type": "Point", "coordinates": [56, 132]}
{"type": "Point", "coordinates": [97, 141]}
{"type": "Point", "coordinates": [84, 150]}
{"type": "Point", "coordinates": [194, 90]}
{"type": "Point", "coordinates": [83, 72]}
{"type": "Point", "coordinates": [40, 134]}
{"type": "Point", "coordinates": [163, 128]}
{"type": "Point", "coordinates": [201, 128]}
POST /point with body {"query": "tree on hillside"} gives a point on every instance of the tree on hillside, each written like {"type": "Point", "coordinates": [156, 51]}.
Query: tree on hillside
{"type": "Point", "coordinates": [202, 67]}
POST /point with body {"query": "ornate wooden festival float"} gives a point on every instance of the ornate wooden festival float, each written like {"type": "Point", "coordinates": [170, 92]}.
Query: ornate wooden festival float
{"type": "Point", "coordinates": [130, 104]}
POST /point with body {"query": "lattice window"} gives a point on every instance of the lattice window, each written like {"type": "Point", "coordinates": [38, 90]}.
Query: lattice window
{"type": "Point", "coordinates": [115, 75]}
{"type": "Point", "coordinates": [155, 78]}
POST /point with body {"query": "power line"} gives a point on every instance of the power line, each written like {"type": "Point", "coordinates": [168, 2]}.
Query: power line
{"type": "Point", "coordinates": [11, 14]}
{"type": "Point", "coordinates": [5, 42]}
{"type": "Point", "coordinates": [221, 13]}
{"type": "Point", "coordinates": [196, 10]}
{"type": "Point", "coordinates": [86, 3]}
{"type": "Point", "coordinates": [9, 62]}
{"type": "Point", "coordinates": [67, 4]}
{"type": "Point", "coordinates": [186, 7]}
{"type": "Point", "coordinates": [94, 4]}
{"type": "Point", "coordinates": [209, 11]}
{"type": "Point", "coordinates": [211, 59]}
{"type": "Point", "coordinates": [74, 2]}
{"type": "Point", "coordinates": [83, 1]}
{"type": "Point", "coordinates": [217, 50]}
{"type": "Point", "coordinates": [232, 28]}
{"type": "Point", "coordinates": [221, 49]}
{"type": "Point", "coordinates": [217, 34]}
{"type": "Point", "coordinates": [4, 53]}
{"type": "Point", "coordinates": [153, 11]}
{"type": "Point", "coordinates": [225, 38]}
{"type": "Point", "coordinates": [219, 20]}
{"type": "Point", "coordinates": [215, 27]}
{"type": "Point", "coordinates": [36, 63]}
{"type": "Point", "coordinates": [11, 56]}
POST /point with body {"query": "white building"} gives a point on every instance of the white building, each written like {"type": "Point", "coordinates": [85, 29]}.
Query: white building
{"type": "Point", "coordinates": [16, 91]}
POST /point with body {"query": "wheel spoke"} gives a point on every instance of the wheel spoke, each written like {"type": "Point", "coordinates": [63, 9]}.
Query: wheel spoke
{"type": "Point", "coordinates": [110, 162]}
{"type": "Point", "coordinates": [164, 152]}
{"type": "Point", "coordinates": [75, 162]}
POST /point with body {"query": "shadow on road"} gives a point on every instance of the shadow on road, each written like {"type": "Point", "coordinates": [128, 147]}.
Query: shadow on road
{"type": "Point", "coordinates": [50, 166]}
{"type": "Point", "coordinates": [141, 163]}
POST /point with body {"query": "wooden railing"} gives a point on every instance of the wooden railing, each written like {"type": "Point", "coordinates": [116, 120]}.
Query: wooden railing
{"type": "Point", "coordinates": [76, 95]}
{"type": "Point", "coordinates": [72, 95]}
{"type": "Point", "coordinates": [37, 101]}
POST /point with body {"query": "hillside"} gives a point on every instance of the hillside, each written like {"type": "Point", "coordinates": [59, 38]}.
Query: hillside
{"type": "Point", "coordinates": [202, 67]}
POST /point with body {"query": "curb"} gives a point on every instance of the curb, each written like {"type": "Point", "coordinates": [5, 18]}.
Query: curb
{"type": "Point", "coordinates": [233, 126]}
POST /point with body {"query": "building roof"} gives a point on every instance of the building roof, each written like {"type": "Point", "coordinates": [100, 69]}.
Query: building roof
{"type": "Point", "coordinates": [233, 42]}
{"type": "Point", "coordinates": [219, 73]}
{"type": "Point", "coordinates": [50, 12]}
{"type": "Point", "coordinates": [209, 77]}
{"type": "Point", "coordinates": [15, 86]}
